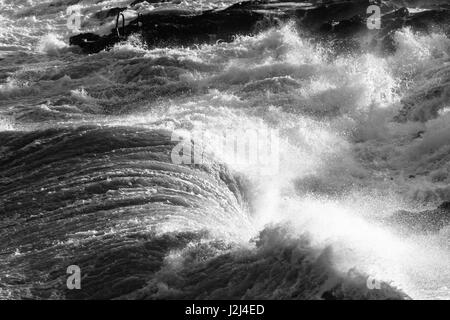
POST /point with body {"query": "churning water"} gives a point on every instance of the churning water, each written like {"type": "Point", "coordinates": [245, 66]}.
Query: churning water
{"type": "Point", "coordinates": [86, 174]}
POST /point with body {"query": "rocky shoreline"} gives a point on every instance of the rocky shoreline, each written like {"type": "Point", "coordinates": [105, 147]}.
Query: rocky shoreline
{"type": "Point", "coordinates": [345, 20]}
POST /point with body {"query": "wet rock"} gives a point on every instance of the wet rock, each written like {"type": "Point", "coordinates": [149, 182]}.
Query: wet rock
{"type": "Point", "coordinates": [342, 19]}
{"type": "Point", "coordinates": [109, 13]}
{"type": "Point", "coordinates": [149, 1]}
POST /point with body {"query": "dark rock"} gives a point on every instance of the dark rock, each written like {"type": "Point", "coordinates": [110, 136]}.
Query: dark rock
{"type": "Point", "coordinates": [428, 20]}
{"type": "Point", "coordinates": [342, 19]}
{"type": "Point", "coordinates": [91, 43]}
{"type": "Point", "coordinates": [149, 1]}
{"type": "Point", "coordinates": [184, 27]}
{"type": "Point", "coordinates": [445, 206]}
{"type": "Point", "coordinates": [109, 13]}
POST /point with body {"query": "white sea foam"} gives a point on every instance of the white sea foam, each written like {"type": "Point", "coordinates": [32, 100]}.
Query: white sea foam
{"type": "Point", "coordinates": [344, 162]}
{"type": "Point", "coordinates": [51, 45]}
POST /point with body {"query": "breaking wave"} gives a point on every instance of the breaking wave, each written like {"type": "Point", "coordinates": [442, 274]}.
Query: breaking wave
{"type": "Point", "coordinates": [87, 178]}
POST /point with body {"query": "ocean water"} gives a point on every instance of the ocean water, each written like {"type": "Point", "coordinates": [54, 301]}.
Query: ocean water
{"type": "Point", "coordinates": [86, 172]}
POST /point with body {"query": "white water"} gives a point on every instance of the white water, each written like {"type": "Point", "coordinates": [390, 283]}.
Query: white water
{"type": "Point", "coordinates": [343, 162]}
